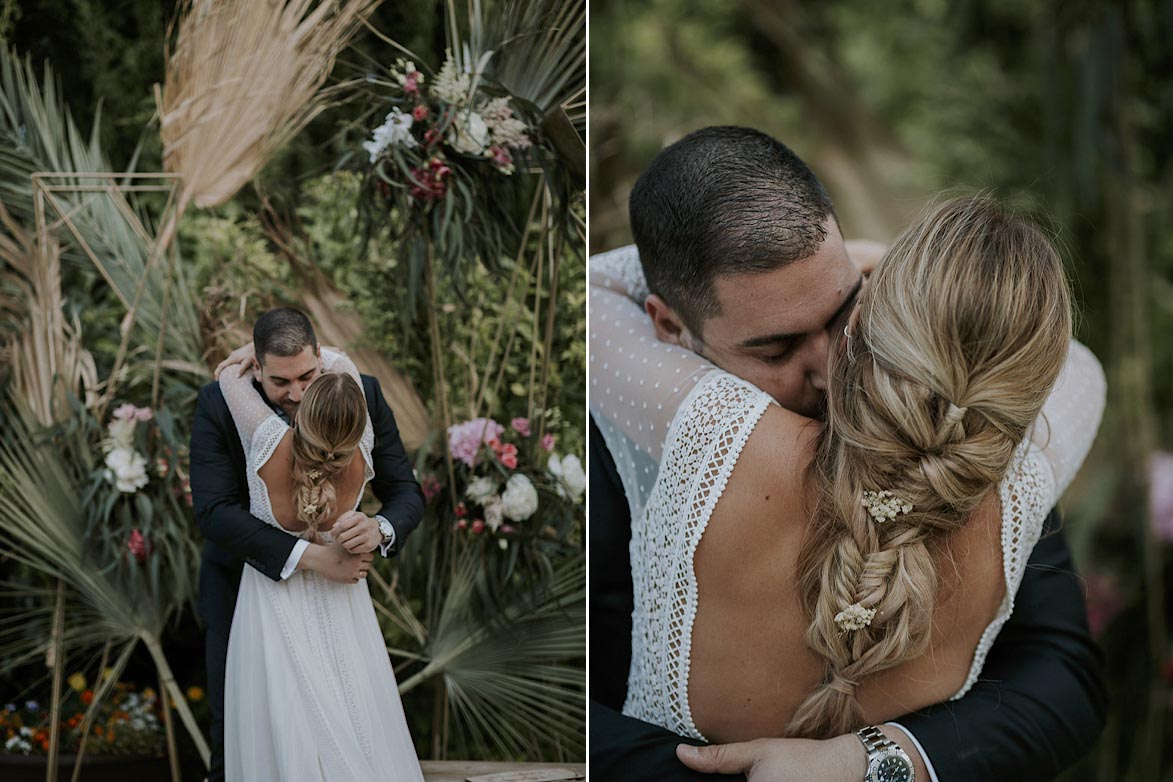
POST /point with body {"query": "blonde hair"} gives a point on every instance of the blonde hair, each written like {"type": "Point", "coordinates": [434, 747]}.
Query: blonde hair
{"type": "Point", "coordinates": [326, 432]}
{"type": "Point", "coordinates": [962, 332]}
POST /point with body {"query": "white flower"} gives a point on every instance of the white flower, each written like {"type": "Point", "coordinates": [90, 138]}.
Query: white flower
{"type": "Point", "coordinates": [493, 511]}
{"type": "Point", "coordinates": [884, 505]}
{"type": "Point", "coordinates": [396, 129]}
{"type": "Point", "coordinates": [471, 135]}
{"type": "Point", "coordinates": [451, 84]}
{"type": "Point", "coordinates": [571, 477]}
{"type": "Point", "coordinates": [480, 489]}
{"type": "Point", "coordinates": [511, 133]}
{"type": "Point", "coordinates": [854, 617]}
{"type": "Point", "coordinates": [121, 433]}
{"type": "Point", "coordinates": [520, 499]}
{"type": "Point", "coordinates": [495, 111]}
{"type": "Point", "coordinates": [127, 469]}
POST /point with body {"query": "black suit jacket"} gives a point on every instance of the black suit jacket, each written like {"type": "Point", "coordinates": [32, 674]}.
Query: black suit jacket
{"type": "Point", "coordinates": [234, 537]}
{"type": "Point", "coordinates": [1038, 707]}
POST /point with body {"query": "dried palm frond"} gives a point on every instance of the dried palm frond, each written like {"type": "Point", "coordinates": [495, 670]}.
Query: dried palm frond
{"type": "Point", "coordinates": [515, 679]}
{"type": "Point", "coordinates": [41, 350]}
{"type": "Point", "coordinates": [245, 76]}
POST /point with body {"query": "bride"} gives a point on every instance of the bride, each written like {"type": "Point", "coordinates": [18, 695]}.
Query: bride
{"type": "Point", "coordinates": [309, 693]}
{"type": "Point", "coordinates": [798, 578]}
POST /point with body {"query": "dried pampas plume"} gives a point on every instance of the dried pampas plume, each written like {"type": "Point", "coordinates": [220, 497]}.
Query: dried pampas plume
{"type": "Point", "coordinates": [245, 76]}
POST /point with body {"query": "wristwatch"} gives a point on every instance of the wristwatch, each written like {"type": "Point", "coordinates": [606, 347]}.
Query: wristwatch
{"type": "Point", "coordinates": [887, 762]}
{"type": "Point", "coordinates": [386, 530]}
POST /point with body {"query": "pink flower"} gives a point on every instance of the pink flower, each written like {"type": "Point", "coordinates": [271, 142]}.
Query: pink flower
{"type": "Point", "coordinates": [460, 510]}
{"type": "Point", "coordinates": [430, 485]}
{"type": "Point", "coordinates": [125, 412]}
{"type": "Point", "coordinates": [1104, 601]}
{"type": "Point", "coordinates": [411, 83]}
{"type": "Point", "coordinates": [431, 136]}
{"type": "Point", "coordinates": [137, 545]}
{"type": "Point", "coordinates": [1161, 495]}
{"type": "Point", "coordinates": [144, 413]}
{"type": "Point", "coordinates": [462, 524]}
{"type": "Point", "coordinates": [419, 113]}
{"type": "Point", "coordinates": [508, 455]}
{"type": "Point", "coordinates": [521, 426]}
{"type": "Point", "coordinates": [548, 442]}
{"type": "Point", "coordinates": [465, 439]}
{"type": "Point", "coordinates": [478, 526]}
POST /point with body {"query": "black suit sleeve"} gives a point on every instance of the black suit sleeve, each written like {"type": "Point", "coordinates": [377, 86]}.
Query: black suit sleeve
{"type": "Point", "coordinates": [624, 748]}
{"type": "Point", "coordinates": [219, 491]}
{"type": "Point", "coordinates": [394, 482]}
{"type": "Point", "coordinates": [1040, 702]}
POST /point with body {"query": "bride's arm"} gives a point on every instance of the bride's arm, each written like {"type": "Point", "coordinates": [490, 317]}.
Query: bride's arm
{"type": "Point", "coordinates": [1071, 416]}
{"type": "Point", "coordinates": [247, 407]}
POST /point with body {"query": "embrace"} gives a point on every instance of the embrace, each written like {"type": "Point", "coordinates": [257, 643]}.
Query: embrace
{"type": "Point", "coordinates": [836, 461]}
{"type": "Point", "coordinates": [283, 447]}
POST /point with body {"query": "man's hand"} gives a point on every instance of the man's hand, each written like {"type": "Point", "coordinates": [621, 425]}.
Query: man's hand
{"type": "Point", "coordinates": [335, 563]}
{"type": "Point", "coordinates": [841, 759]}
{"type": "Point", "coordinates": [245, 355]}
{"type": "Point", "coordinates": [358, 532]}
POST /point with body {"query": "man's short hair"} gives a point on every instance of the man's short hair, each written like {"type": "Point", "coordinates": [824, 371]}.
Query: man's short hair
{"type": "Point", "coordinates": [723, 200]}
{"type": "Point", "coordinates": [283, 332]}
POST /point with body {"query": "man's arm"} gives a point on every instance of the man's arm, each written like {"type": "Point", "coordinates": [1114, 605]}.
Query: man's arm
{"type": "Point", "coordinates": [220, 493]}
{"type": "Point", "coordinates": [1040, 703]}
{"type": "Point", "coordinates": [627, 749]}
{"type": "Point", "coordinates": [394, 482]}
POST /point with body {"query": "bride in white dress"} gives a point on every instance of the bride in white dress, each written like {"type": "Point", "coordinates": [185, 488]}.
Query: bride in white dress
{"type": "Point", "coordinates": [796, 578]}
{"type": "Point", "coordinates": [310, 695]}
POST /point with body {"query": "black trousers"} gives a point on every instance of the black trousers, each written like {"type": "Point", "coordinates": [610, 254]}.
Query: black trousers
{"type": "Point", "coordinates": [216, 649]}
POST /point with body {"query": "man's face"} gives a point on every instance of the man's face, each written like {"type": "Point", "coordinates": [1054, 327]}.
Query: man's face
{"type": "Point", "coordinates": [284, 379]}
{"type": "Point", "coordinates": [775, 328]}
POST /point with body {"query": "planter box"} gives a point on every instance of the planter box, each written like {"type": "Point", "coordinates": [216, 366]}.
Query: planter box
{"type": "Point", "coordinates": [95, 768]}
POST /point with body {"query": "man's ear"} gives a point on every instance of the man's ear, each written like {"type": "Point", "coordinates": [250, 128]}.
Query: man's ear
{"type": "Point", "coordinates": [669, 326]}
{"type": "Point", "coordinates": [256, 370]}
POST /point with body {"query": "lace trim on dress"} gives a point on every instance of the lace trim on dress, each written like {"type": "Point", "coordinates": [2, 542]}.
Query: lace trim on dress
{"type": "Point", "coordinates": [703, 445]}
{"type": "Point", "coordinates": [1025, 493]}
{"type": "Point", "coordinates": [264, 443]}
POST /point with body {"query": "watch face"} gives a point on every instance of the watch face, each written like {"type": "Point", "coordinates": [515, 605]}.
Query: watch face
{"type": "Point", "coordinates": [893, 769]}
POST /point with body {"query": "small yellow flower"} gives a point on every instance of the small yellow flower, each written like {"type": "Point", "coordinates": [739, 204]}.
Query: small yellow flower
{"type": "Point", "coordinates": [195, 694]}
{"type": "Point", "coordinates": [108, 673]}
{"type": "Point", "coordinates": [77, 682]}
{"type": "Point", "coordinates": [149, 694]}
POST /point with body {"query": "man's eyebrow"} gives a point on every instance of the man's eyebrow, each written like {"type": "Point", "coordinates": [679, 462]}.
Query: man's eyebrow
{"type": "Point", "coordinates": [770, 339]}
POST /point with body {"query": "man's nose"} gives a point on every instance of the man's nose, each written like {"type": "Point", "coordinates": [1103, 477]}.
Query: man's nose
{"type": "Point", "coordinates": [296, 391]}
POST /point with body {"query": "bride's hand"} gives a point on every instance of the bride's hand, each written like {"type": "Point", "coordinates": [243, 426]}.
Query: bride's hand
{"type": "Point", "coordinates": [244, 355]}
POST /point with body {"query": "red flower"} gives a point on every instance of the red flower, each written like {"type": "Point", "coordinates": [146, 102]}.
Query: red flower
{"type": "Point", "coordinates": [137, 546]}
{"type": "Point", "coordinates": [431, 136]}
{"type": "Point", "coordinates": [478, 526]}
{"type": "Point", "coordinates": [420, 113]}
{"type": "Point", "coordinates": [460, 510]}
{"type": "Point", "coordinates": [462, 524]}
{"type": "Point", "coordinates": [430, 485]}
{"type": "Point", "coordinates": [87, 697]}
{"type": "Point", "coordinates": [508, 456]}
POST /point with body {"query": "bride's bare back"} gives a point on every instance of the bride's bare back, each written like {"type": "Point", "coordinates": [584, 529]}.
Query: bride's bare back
{"type": "Point", "coordinates": [277, 474]}
{"type": "Point", "coordinates": [750, 664]}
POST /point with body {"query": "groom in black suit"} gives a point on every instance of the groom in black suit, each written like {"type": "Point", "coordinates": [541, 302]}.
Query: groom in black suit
{"type": "Point", "coordinates": [288, 359]}
{"type": "Point", "coordinates": [1040, 701]}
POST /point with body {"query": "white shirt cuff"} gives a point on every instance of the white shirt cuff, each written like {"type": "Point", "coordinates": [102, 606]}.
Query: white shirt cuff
{"type": "Point", "coordinates": [294, 557]}
{"type": "Point", "coordinates": [923, 755]}
{"type": "Point", "coordinates": [385, 548]}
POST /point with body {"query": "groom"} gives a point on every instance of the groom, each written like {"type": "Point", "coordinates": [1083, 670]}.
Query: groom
{"type": "Point", "coordinates": [745, 264]}
{"type": "Point", "coordinates": [288, 360]}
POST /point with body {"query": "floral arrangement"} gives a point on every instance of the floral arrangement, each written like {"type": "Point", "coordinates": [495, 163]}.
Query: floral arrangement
{"type": "Point", "coordinates": [142, 476]}
{"type": "Point", "coordinates": [435, 130]}
{"type": "Point", "coordinates": [128, 723]}
{"type": "Point", "coordinates": [502, 473]}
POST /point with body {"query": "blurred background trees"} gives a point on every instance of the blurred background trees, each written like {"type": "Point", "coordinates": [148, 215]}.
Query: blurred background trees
{"type": "Point", "coordinates": [1062, 108]}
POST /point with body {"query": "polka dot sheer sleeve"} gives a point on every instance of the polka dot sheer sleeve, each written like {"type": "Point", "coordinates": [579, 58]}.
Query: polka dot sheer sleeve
{"type": "Point", "coordinates": [638, 383]}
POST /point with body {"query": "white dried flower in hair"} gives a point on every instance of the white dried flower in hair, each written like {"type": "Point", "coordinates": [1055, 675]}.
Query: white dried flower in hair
{"type": "Point", "coordinates": [884, 505]}
{"type": "Point", "coordinates": [854, 617]}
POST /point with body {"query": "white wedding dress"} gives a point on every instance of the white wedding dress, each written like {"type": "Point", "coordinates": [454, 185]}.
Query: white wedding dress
{"type": "Point", "coordinates": [675, 425]}
{"type": "Point", "coordinates": [310, 695]}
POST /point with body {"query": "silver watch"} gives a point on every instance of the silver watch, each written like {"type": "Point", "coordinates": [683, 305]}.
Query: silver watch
{"type": "Point", "coordinates": [887, 762]}
{"type": "Point", "coordinates": [385, 529]}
